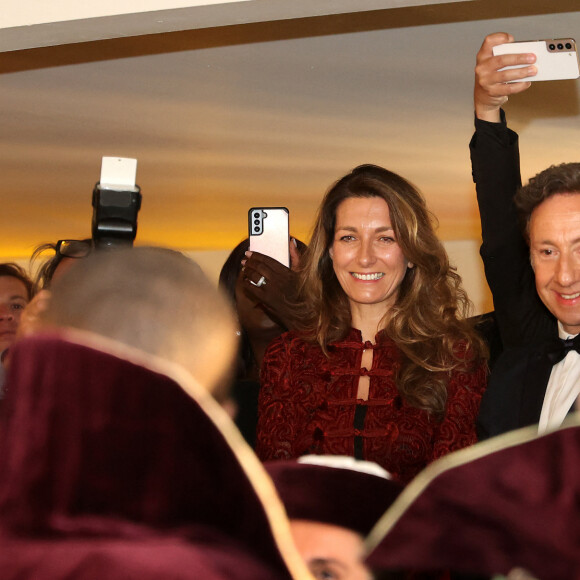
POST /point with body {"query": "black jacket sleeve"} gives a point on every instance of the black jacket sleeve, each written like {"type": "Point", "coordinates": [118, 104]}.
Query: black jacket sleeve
{"type": "Point", "coordinates": [521, 317]}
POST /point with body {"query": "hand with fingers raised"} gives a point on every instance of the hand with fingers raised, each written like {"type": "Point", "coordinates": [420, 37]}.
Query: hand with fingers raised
{"type": "Point", "coordinates": [492, 85]}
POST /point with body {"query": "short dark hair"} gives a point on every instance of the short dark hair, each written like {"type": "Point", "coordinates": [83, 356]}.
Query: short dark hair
{"type": "Point", "coordinates": [563, 178]}
{"type": "Point", "coordinates": [15, 271]}
{"type": "Point", "coordinates": [150, 298]}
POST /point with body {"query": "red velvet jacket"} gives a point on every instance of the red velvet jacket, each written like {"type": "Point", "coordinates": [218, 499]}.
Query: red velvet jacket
{"type": "Point", "coordinates": [308, 405]}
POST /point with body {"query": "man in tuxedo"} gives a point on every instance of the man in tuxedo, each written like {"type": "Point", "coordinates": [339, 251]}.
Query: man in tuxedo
{"type": "Point", "coordinates": [534, 276]}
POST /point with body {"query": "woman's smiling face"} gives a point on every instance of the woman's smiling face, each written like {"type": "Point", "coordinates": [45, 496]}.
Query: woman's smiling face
{"type": "Point", "coordinates": [367, 260]}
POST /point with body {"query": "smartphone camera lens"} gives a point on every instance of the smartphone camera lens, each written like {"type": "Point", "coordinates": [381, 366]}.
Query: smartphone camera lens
{"type": "Point", "coordinates": [256, 222]}
{"type": "Point", "coordinates": [256, 229]}
{"type": "Point", "coordinates": [256, 215]}
{"type": "Point", "coordinates": [552, 47]}
{"type": "Point", "coordinates": [560, 46]}
{"type": "Point", "coordinates": [568, 46]}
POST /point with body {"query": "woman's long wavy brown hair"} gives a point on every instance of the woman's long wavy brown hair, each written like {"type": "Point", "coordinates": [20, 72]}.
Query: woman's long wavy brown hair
{"type": "Point", "coordinates": [428, 321]}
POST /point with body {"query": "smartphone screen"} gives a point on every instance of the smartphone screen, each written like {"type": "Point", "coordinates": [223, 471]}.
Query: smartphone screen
{"type": "Point", "coordinates": [556, 59]}
{"type": "Point", "coordinates": [269, 233]}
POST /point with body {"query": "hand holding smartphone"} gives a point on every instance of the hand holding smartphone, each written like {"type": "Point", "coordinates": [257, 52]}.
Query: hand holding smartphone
{"type": "Point", "coordinates": [268, 277]}
{"type": "Point", "coordinates": [556, 59]}
{"type": "Point", "coordinates": [269, 232]}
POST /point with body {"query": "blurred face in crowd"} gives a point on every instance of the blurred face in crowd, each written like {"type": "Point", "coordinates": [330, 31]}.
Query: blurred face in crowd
{"type": "Point", "coordinates": [13, 299]}
{"type": "Point", "coordinates": [366, 257]}
{"type": "Point", "coordinates": [330, 552]}
{"type": "Point", "coordinates": [555, 256]}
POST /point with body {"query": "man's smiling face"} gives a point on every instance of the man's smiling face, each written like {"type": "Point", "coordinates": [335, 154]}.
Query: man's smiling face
{"type": "Point", "coordinates": [555, 256]}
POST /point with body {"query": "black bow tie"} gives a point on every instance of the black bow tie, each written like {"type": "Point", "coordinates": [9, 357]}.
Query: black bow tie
{"type": "Point", "coordinates": [559, 348]}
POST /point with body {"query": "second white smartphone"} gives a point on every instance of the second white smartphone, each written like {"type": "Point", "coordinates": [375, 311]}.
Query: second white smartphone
{"type": "Point", "coordinates": [556, 59]}
{"type": "Point", "coordinates": [269, 232]}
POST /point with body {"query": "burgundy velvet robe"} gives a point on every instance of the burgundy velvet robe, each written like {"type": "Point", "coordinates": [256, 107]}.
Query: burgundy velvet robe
{"type": "Point", "coordinates": [111, 470]}
{"type": "Point", "coordinates": [511, 501]}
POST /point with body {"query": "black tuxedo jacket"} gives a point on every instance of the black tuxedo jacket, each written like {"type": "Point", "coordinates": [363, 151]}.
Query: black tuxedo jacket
{"type": "Point", "coordinates": [518, 380]}
{"type": "Point", "coordinates": [515, 393]}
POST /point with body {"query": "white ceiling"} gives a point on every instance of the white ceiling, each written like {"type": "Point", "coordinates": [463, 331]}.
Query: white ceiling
{"type": "Point", "coordinates": [267, 113]}
{"type": "Point", "coordinates": [35, 23]}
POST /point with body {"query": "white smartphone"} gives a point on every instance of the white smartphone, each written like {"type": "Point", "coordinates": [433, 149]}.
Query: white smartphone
{"type": "Point", "coordinates": [269, 232]}
{"type": "Point", "coordinates": [556, 59]}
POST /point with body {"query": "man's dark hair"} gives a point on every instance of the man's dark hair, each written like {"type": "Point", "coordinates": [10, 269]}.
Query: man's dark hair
{"type": "Point", "coordinates": [563, 178]}
{"type": "Point", "coordinates": [16, 271]}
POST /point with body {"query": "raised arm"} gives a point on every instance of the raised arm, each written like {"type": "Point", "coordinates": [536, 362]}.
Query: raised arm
{"type": "Point", "coordinates": [521, 316]}
{"type": "Point", "coordinates": [492, 87]}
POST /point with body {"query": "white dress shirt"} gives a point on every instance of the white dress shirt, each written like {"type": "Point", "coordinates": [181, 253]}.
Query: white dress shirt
{"type": "Point", "coordinates": [562, 390]}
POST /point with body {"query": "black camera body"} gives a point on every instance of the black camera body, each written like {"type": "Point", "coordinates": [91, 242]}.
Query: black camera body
{"type": "Point", "coordinates": [115, 216]}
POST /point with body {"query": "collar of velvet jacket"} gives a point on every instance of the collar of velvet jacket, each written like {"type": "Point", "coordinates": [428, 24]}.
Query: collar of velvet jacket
{"type": "Point", "coordinates": [100, 439]}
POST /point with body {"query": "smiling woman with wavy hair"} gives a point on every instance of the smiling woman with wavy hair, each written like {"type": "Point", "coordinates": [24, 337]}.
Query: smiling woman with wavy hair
{"type": "Point", "coordinates": [386, 366]}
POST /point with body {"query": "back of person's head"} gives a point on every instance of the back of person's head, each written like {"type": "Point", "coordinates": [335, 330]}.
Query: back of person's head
{"type": "Point", "coordinates": [563, 178]}
{"type": "Point", "coordinates": [153, 299]}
